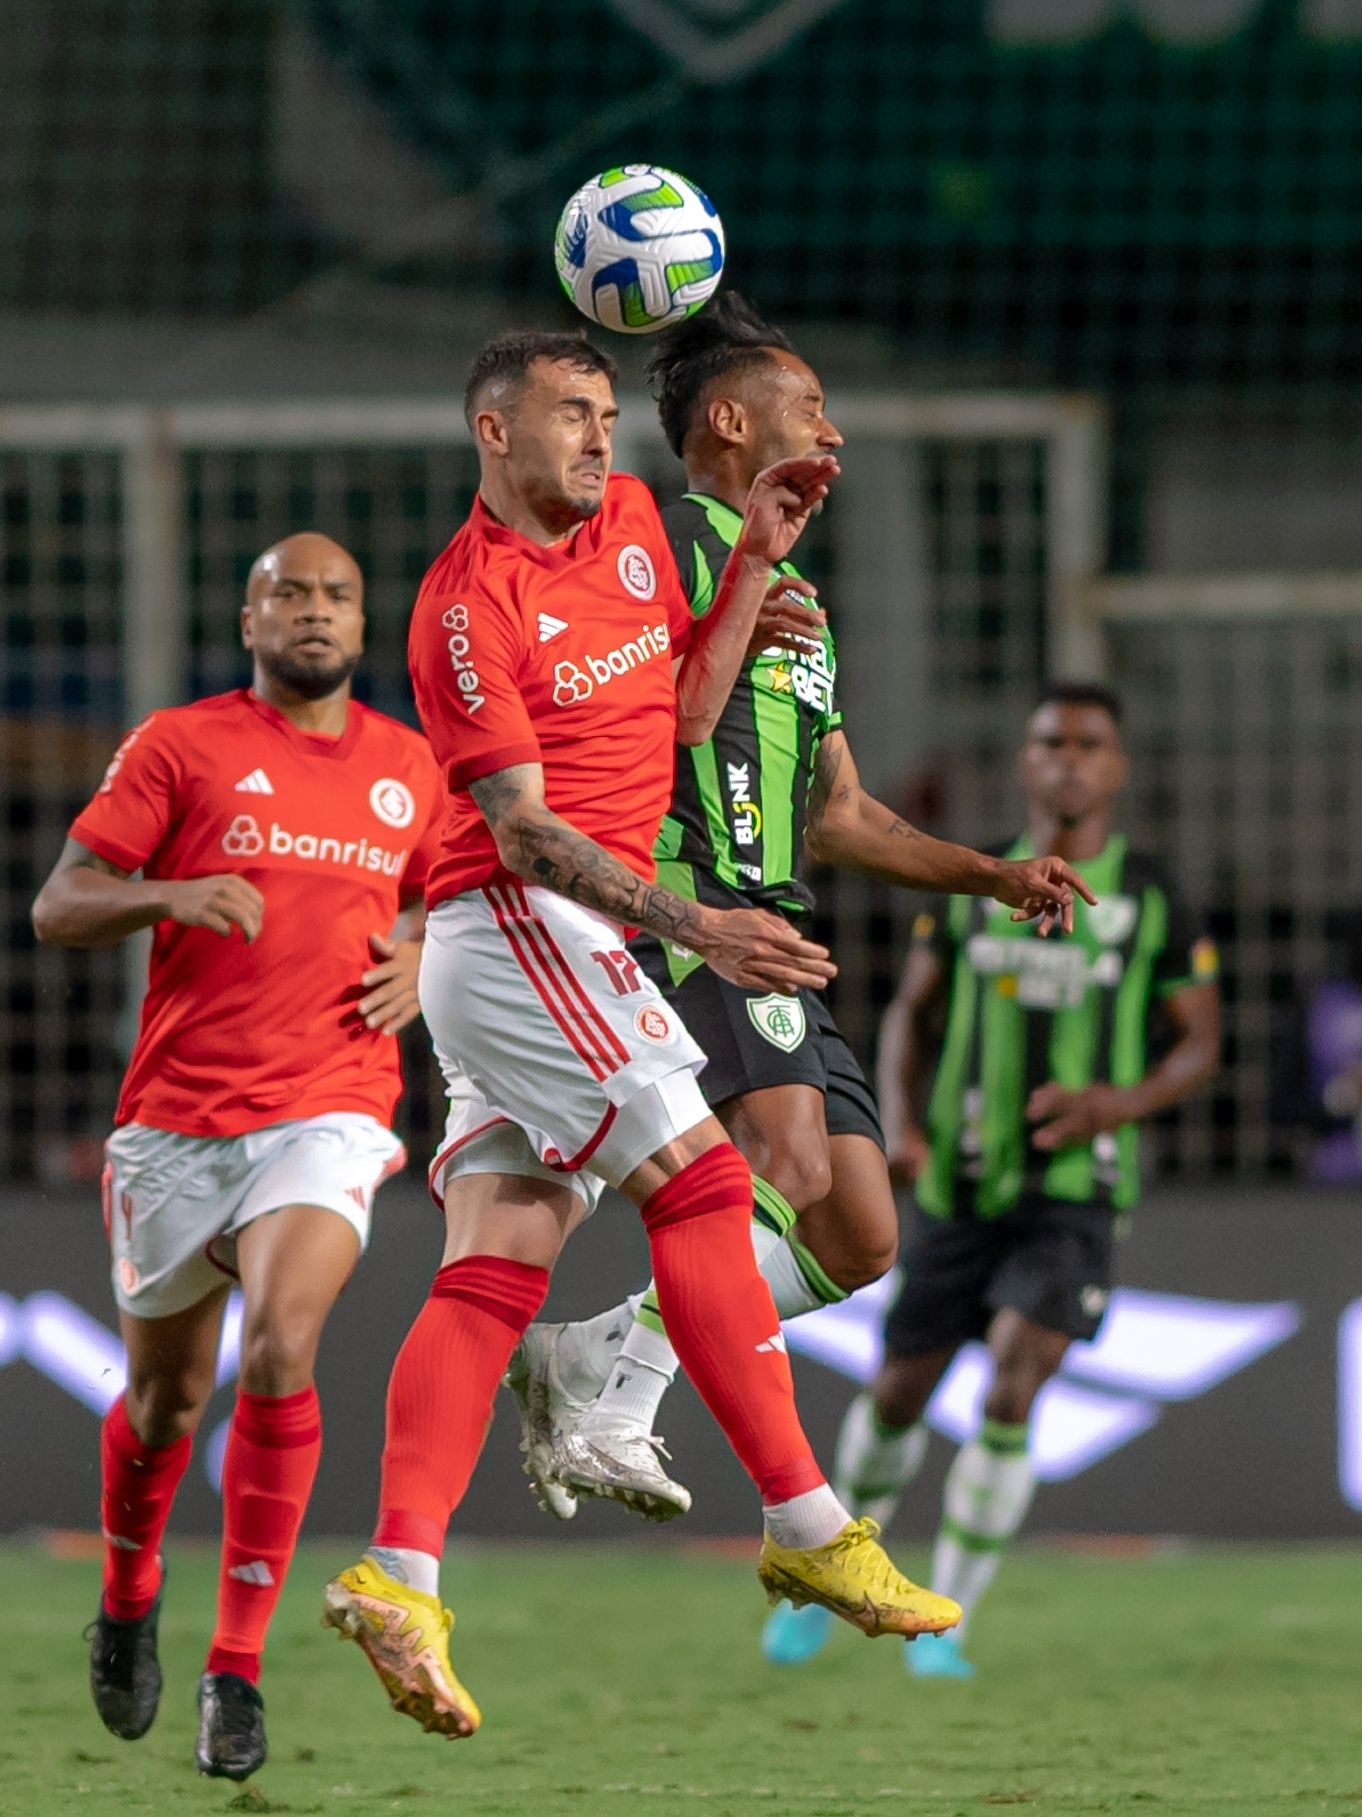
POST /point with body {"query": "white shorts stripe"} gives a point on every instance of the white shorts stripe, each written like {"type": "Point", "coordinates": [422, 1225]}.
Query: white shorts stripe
{"type": "Point", "coordinates": [612, 1049]}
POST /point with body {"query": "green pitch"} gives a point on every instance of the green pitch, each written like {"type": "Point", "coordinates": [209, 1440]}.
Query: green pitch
{"type": "Point", "coordinates": [629, 1681]}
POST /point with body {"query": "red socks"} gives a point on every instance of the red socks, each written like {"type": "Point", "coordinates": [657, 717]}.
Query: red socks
{"type": "Point", "coordinates": [722, 1320]}
{"type": "Point", "coordinates": [138, 1485]}
{"type": "Point", "coordinates": [441, 1391]}
{"type": "Point", "coordinates": [267, 1475]}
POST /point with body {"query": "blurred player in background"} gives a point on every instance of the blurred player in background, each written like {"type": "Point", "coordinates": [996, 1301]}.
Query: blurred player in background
{"type": "Point", "coordinates": [775, 778]}
{"type": "Point", "coordinates": [1029, 1147]}
{"type": "Point", "coordinates": [555, 667]}
{"type": "Point", "coordinates": [282, 832]}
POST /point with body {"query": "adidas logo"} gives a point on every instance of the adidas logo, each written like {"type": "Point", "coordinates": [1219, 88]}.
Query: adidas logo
{"type": "Point", "coordinates": [257, 783]}
{"type": "Point", "coordinates": [550, 627]}
{"type": "Point", "coordinates": [775, 1343]}
{"type": "Point", "coordinates": [257, 1572]}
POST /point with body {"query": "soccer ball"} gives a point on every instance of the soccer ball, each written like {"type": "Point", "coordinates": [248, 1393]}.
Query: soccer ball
{"type": "Point", "coordinates": [638, 248]}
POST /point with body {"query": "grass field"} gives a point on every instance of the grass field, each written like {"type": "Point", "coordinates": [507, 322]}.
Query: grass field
{"type": "Point", "coordinates": [629, 1679]}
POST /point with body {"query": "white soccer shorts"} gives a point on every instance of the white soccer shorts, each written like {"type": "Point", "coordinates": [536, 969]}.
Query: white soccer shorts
{"type": "Point", "coordinates": [542, 1020]}
{"type": "Point", "coordinates": [173, 1204]}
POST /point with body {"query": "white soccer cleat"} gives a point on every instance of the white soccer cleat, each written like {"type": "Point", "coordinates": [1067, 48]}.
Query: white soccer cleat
{"type": "Point", "coordinates": [547, 1413]}
{"type": "Point", "coordinates": [623, 1464]}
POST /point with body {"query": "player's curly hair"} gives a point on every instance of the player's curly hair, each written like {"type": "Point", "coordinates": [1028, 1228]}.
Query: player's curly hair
{"type": "Point", "coordinates": [506, 360]}
{"type": "Point", "coordinates": [725, 337]}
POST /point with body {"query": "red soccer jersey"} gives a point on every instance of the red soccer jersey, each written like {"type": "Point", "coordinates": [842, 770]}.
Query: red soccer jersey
{"type": "Point", "coordinates": [335, 833]}
{"type": "Point", "coordinates": [561, 656]}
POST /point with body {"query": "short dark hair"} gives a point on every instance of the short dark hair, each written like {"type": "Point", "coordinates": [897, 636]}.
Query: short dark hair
{"type": "Point", "coordinates": [724, 337]}
{"type": "Point", "coordinates": [1082, 694]}
{"type": "Point", "coordinates": [507, 358]}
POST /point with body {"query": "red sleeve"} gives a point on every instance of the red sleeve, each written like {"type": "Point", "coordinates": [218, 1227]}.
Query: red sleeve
{"type": "Point", "coordinates": [133, 806]}
{"type": "Point", "coordinates": [465, 655]}
{"type": "Point", "coordinates": [428, 845]}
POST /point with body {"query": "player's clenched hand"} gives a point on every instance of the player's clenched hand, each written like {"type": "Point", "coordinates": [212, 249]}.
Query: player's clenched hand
{"type": "Point", "coordinates": [1043, 887]}
{"type": "Point", "coordinates": [1066, 1117]}
{"type": "Point", "coordinates": [780, 501]}
{"type": "Point", "coordinates": [391, 1003]}
{"type": "Point", "coordinates": [783, 623]}
{"type": "Point", "coordinates": [758, 951]}
{"type": "Point", "coordinates": [218, 903]}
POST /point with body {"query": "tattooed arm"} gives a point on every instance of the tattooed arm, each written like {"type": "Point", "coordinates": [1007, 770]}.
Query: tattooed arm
{"type": "Point", "coordinates": [91, 903]}
{"type": "Point", "coordinates": [746, 946]}
{"type": "Point", "coordinates": [846, 826]}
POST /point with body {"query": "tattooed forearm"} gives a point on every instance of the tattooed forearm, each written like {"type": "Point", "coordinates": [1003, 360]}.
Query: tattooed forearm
{"type": "Point", "coordinates": [554, 854]}
{"type": "Point", "coordinates": [540, 847]}
{"type": "Point", "coordinates": [824, 788]}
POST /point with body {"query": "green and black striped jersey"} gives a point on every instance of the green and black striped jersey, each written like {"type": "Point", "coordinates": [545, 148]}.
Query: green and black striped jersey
{"type": "Point", "coordinates": [1025, 1010]}
{"type": "Point", "coordinates": [736, 823]}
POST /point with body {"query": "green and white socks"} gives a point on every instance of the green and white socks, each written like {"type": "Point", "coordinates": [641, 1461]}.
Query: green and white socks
{"type": "Point", "coordinates": [989, 1488]}
{"type": "Point", "coordinates": [637, 1374]}
{"type": "Point", "coordinates": [874, 1463]}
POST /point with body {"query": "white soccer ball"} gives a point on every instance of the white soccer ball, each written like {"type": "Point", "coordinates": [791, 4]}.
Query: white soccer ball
{"type": "Point", "coordinates": [638, 248]}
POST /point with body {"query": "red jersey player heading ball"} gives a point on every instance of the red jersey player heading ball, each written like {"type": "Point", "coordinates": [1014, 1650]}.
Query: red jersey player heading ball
{"type": "Point", "coordinates": [279, 829]}
{"type": "Point", "coordinates": [555, 665]}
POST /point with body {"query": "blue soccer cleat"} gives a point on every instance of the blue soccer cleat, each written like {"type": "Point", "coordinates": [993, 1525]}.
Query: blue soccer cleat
{"type": "Point", "coordinates": [936, 1656]}
{"type": "Point", "coordinates": [793, 1635]}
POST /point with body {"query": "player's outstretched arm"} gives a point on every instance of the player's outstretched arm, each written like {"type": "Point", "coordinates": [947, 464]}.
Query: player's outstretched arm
{"type": "Point", "coordinates": [1063, 1117]}
{"type": "Point", "coordinates": [746, 946]}
{"type": "Point", "coordinates": [88, 902]}
{"type": "Point", "coordinates": [848, 827]}
{"type": "Point", "coordinates": [778, 507]}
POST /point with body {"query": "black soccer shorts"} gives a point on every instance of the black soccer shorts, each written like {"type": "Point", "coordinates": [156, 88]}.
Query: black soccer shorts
{"type": "Point", "coordinates": [1048, 1259]}
{"type": "Point", "coordinates": [757, 1039]}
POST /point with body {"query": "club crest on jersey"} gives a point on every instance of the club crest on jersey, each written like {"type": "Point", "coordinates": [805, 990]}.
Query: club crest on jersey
{"type": "Point", "coordinates": [636, 571]}
{"type": "Point", "coordinates": [653, 1024]}
{"type": "Point", "coordinates": [392, 801]}
{"type": "Point", "coordinates": [779, 1020]}
{"type": "Point", "coordinates": [1112, 918]}
{"type": "Point", "coordinates": [243, 838]}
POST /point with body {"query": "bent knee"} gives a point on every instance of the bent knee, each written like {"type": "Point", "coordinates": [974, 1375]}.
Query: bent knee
{"type": "Point", "coordinates": [800, 1172]}
{"type": "Point", "coordinates": [164, 1409]}
{"type": "Point", "coordinates": [277, 1356]}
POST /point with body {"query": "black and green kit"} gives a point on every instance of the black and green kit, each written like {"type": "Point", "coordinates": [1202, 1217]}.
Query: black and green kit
{"type": "Point", "coordinates": [734, 837]}
{"type": "Point", "coordinates": [735, 829]}
{"type": "Point", "coordinates": [1000, 1224]}
{"type": "Point", "coordinates": [1025, 1010]}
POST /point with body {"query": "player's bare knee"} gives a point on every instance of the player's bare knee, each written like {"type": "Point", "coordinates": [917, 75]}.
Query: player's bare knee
{"type": "Point", "coordinates": [800, 1172]}
{"type": "Point", "coordinates": [162, 1409]}
{"type": "Point", "coordinates": [278, 1353]}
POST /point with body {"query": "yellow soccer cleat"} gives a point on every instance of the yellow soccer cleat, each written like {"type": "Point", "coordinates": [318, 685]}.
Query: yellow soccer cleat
{"type": "Point", "coordinates": [405, 1637]}
{"type": "Point", "coordinates": [856, 1579]}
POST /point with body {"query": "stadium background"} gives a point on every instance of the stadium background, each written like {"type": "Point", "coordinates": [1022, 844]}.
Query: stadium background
{"type": "Point", "coordinates": [1082, 276]}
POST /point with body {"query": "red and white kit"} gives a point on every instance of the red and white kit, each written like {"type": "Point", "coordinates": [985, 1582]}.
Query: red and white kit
{"type": "Point", "coordinates": [253, 1072]}
{"type": "Point", "coordinates": [561, 656]}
